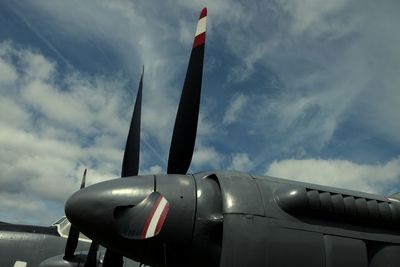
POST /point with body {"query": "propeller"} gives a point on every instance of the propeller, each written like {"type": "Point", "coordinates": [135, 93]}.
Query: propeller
{"type": "Point", "coordinates": [69, 258]}
{"type": "Point", "coordinates": [146, 219]}
{"type": "Point", "coordinates": [91, 259]}
{"type": "Point", "coordinates": [73, 238]}
{"type": "Point", "coordinates": [185, 128]}
{"type": "Point", "coordinates": [130, 163]}
{"type": "Point", "coordinates": [73, 235]}
{"type": "Point", "coordinates": [112, 259]}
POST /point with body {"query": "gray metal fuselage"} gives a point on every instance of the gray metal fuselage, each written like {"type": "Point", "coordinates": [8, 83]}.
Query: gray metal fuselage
{"type": "Point", "coordinates": [33, 245]}
{"type": "Point", "coordinates": [30, 244]}
{"type": "Point", "coordinates": [237, 219]}
{"type": "Point", "coordinates": [279, 222]}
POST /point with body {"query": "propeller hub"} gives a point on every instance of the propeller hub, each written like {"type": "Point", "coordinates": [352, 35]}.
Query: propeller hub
{"type": "Point", "coordinates": [92, 209]}
{"type": "Point", "coordinates": [99, 211]}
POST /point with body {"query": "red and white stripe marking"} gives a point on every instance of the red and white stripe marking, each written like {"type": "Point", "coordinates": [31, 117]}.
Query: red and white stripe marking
{"type": "Point", "coordinates": [200, 36]}
{"type": "Point", "coordinates": [156, 218]}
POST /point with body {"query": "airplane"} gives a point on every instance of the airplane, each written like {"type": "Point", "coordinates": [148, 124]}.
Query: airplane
{"type": "Point", "coordinates": [222, 218]}
{"type": "Point", "coordinates": [60, 244]}
{"type": "Point", "coordinates": [225, 218]}
{"type": "Point", "coordinates": [31, 245]}
{"type": "Point", "coordinates": [57, 245]}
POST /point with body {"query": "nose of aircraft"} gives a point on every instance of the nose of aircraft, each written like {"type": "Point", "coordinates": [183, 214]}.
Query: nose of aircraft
{"type": "Point", "coordinates": [93, 209]}
{"type": "Point", "coordinates": [120, 213]}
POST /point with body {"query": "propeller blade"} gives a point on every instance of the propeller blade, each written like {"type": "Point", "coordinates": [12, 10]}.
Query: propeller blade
{"type": "Point", "coordinates": [83, 179]}
{"type": "Point", "coordinates": [184, 135]}
{"type": "Point", "coordinates": [112, 259]}
{"type": "Point", "coordinates": [73, 235]}
{"type": "Point", "coordinates": [91, 258]}
{"type": "Point", "coordinates": [130, 163]}
{"type": "Point", "coordinates": [144, 220]}
{"type": "Point", "coordinates": [72, 242]}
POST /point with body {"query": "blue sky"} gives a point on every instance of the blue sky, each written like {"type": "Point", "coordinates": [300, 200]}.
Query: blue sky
{"type": "Point", "coordinates": [305, 90]}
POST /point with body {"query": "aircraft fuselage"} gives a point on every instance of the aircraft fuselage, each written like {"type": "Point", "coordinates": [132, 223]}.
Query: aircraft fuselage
{"type": "Point", "coordinates": [26, 245]}
{"type": "Point", "coordinates": [237, 219]}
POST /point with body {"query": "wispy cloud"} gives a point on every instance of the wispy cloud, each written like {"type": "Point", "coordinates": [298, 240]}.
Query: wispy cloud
{"type": "Point", "coordinates": [50, 134]}
{"type": "Point", "coordinates": [206, 156]}
{"type": "Point", "coordinates": [235, 108]}
{"type": "Point", "coordinates": [241, 162]}
{"type": "Point", "coordinates": [56, 122]}
{"type": "Point", "coordinates": [372, 178]}
{"type": "Point", "coordinates": [335, 67]}
{"type": "Point", "coordinates": [23, 208]}
{"type": "Point", "coordinates": [288, 80]}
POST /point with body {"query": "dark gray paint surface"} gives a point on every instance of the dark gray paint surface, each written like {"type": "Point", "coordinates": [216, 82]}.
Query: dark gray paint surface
{"type": "Point", "coordinates": [35, 245]}
{"type": "Point", "coordinates": [30, 248]}
{"type": "Point", "coordinates": [342, 251]}
{"type": "Point", "coordinates": [322, 235]}
{"type": "Point", "coordinates": [235, 219]}
{"type": "Point", "coordinates": [259, 242]}
{"type": "Point", "coordinates": [240, 193]}
{"type": "Point", "coordinates": [385, 256]}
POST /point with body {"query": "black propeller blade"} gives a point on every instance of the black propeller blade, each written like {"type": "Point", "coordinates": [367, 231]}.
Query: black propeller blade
{"type": "Point", "coordinates": [83, 182]}
{"type": "Point", "coordinates": [72, 242]}
{"type": "Point", "coordinates": [73, 235]}
{"type": "Point", "coordinates": [144, 220]}
{"type": "Point", "coordinates": [112, 259]}
{"type": "Point", "coordinates": [184, 135]}
{"type": "Point", "coordinates": [73, 238]}
{"type": "Point", "coordinates": [130, 163]}
{"type": "Point", "coordinates": [91, 259]}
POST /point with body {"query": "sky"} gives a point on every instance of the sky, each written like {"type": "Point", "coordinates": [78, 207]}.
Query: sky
{"type": "Point", "coordinates": [306, 90]}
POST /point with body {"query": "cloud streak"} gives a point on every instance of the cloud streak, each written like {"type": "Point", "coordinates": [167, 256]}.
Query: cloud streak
{"type": "Point", "coordinates": [236, 107]}
{"type": "Point", "coordinates": [371, 178]}
{"type": "Point", "coordinates": [285, 84]}
{"type": "Point", "coordinates": [49, 134]}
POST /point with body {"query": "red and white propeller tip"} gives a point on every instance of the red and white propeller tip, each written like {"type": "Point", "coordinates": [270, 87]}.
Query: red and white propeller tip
{"type": "Point", "coordinates": [200, 36]}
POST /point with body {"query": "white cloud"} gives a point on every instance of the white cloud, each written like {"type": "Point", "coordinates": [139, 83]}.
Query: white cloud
{"type": "Point", "coordinates": [235, 108]}
{"type": "Point", "coordinates": [206, 156]}
{"type": "Point", "coordinates": [339, 173]}
{"type": "Point", "coordinates": [314, 17]}
{"type": "Point", "coordinates": [7, 73]}
{"type": "Point", "coordinates": [141, 40]}
{"type": "Point", "coordinates": [64, 122]}
{"type": "Point", "coordinates": [50, 134]}
{"type": "Point", "coordinates": [241, 162]}
{"type": "Point", "coordinates": [13, 114]}
{"type": "Point", "coordinates": [20, 208]}
{"type": "Point", "coordinates": [332, 62]}
{"type": "Point", "coordinates": [155, 169]}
